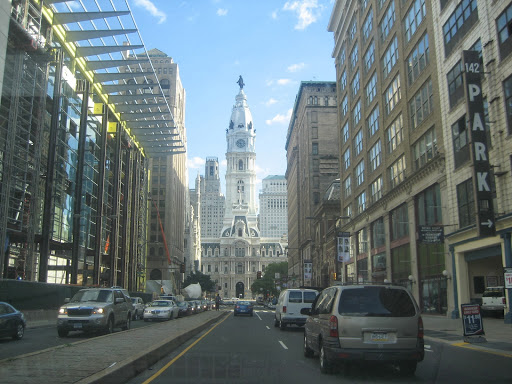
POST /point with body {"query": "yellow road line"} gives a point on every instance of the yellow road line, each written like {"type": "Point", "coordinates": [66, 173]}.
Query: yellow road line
{"type": "Point", "coordinates": [481, 349]}
{"type": "Point", "coordinates": [181, 354]}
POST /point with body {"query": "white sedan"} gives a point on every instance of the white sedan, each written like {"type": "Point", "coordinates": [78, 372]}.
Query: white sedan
{"type": "Point", "coordinates": [161, 310]}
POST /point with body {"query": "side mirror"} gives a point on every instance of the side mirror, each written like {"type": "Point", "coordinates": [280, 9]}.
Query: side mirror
{"type": "Point", "coordinates": [305, 311]}
{"type": "Point", "coordinates": [67, 300]}
{"type": "Point", "coordinates": [119, 300]}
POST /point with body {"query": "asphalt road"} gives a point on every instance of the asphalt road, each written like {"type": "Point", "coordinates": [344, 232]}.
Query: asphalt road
{"type": "Point", "coordinates": [252, 350]}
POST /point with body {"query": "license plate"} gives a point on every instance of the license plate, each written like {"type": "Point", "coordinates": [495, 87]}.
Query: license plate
{"type": "Point", "coordinates": [378, 337]}
{"type": "Point", "coordinates": [77, 325]}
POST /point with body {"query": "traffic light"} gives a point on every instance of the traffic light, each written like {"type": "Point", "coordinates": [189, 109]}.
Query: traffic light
{"type": "Point", "coordinates": [258, 275]}
{"type": "Point", "coordinates": [182, 268]}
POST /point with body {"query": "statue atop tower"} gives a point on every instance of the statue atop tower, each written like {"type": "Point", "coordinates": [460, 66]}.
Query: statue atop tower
{"type": "Point", "coordinates": [241, 82]}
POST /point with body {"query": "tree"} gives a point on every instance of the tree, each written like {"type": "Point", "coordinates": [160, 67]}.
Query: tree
{"type": "Point", "coordinates": [204, 281]}
{"type": "Point", "coordinates": [268, 284]}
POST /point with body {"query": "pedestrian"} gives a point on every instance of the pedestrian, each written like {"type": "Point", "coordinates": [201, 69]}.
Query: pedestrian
{"type": "Point", "coordinates": [217, 302]}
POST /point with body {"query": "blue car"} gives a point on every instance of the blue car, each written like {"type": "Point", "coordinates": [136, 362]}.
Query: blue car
{"type": "Point", "coordinates": [12, 322]}
{"type": "Point", "coordinates": [243, 308]}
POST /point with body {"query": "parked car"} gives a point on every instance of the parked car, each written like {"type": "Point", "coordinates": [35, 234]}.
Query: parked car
{"type": "Point", "coordinates": [138, 308]}
{"type": "Point", "coordinates": [95, 309]}
{"type": "Point", "coordinates": [193, 306]}
{"type": "Point", "coordinates": [243, 308]}
{"type": "Point", "coordinates": [184, 308]}
{"type": "Point", "coordinates": [494, 301]}
{"type": "Point", "coordinates": [355, 323]}
{"type": "Point", "coordinates": [289, 305]}
{"type": "Point", "coordinates": [12, 322]}
{"type": "Point", "coordinates": [161, 310]}
{"type": "Point", "coordinates": [199, 306]}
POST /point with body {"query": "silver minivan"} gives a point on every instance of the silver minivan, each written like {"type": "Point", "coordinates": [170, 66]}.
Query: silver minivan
{"type": "Point", "coordinates": [289, 305]}
{"type": "Point", "coordinates": [355, 323]}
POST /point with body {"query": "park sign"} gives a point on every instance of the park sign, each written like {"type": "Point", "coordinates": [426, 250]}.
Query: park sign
{"type": "Point", "coordinates": [472, 72]}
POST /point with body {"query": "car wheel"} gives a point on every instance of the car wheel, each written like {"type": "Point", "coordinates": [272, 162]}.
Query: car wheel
{"type": "Point", "coordinates": [282, 325]}
{"type": "Point", "coordinates": [128, 323]}
{"type": "Point", "coordinates": [172, 316]}
{"type": "Point", "coordinates": [308, 352]}
{"type": "Point", "coordinates": [325, 364]}
{"type": "Point", "coordinates": [62, 332]}
{"type": "Point", "coordinates": [110, 325]}
{"type": "Point", "coordinates": [407, 368]}
{"type": "Point", "coordinates": [135, 315]}
{"type": "Point", "coordinates": [276, 323]}
{"type": "Point", "coordinates": [20, 331]}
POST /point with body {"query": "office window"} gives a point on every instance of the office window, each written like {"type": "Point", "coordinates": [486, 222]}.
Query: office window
{"type": "Point", "coordinates": [378, 233]}
{"type": "Point", "coordinates": [352, 30]}
{"type": "Point", "coordinates": [418, 59]}
{"type": "Point", "coordinates": [507, 88]}
{"type": "Point", "coordinates": [387, 21]}
{"type": "Point", "coordinates": [355, 84]}
{"type": "Point", "coordinates": [455, 86]}
{"type": "Point", "coordinates": [372, 122]}
{"type": "Point", "coordinates": [376, 190]}
{"type": "Point", "coordinates": [348, 186]}
{"type": "Point", "coordinates": [368, 25]}
{"type": "Point", "coordinates": [375, 155]}
{"type": "Point", "coordinates": [344, 106]}
{"type": "Point", "coordinates": [424, 149]}
{"type": "Point", "coordinates": [314, 149]}
{"type": "Point", "coordinates": [346, 158]}
{"type": "Point", "coordinates": [504, 26]}
{"type": "Point", "coordinates": [361, 202]}
{"type": "Point", "coordinates": [371, 89]}
{"type": "Point", "coordinates": [343, 55]}
{"type": "Point", "coordinates": [397, 172]}
{"type": "Point", "coordinates": [399, 222]}
{"type": "Point", "coordinates": [394, 134]}
{"type": "Point", "coordinates": [345, 132]}
{"type": "Point", "coordinates": [343, 80]}
{"type": "Point", "coordinates": [356, 113]}
{"type": "Point", "coordinates": [460, 139]}
{"type": "Point", "coordinates": [466, 203]}
{"type": "Point", "coordinates": [354, 56]}
{"type": "Point", "coordinates": [359, 173]}
{"type": "Point", "coordinates": [369, 57]}
{"type": "Point", "coordinates": [362, 241]}
{"type": "Point", "coordinates": [392, 95]}
{"type": "Point", "coordinates": [421, 105]}
{"type": "Point", "coordinates": [390, 57]}
{"type": "Point", "coordinates": [459, 23]}
{"type": "Point", "coordinates": [358, 142]}
{"type": "Point", "coordinates": [414, 17]}
{"type": "Point", "coordinates": [429, 206]}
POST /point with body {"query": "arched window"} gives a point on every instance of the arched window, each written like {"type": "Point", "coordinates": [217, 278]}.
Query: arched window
{"type": "Point", "coordinates": [165, 83]}
{"type": "Point", "coordinates": [240, 232]}
{"type": "Point", "coordinates": [240, 165]}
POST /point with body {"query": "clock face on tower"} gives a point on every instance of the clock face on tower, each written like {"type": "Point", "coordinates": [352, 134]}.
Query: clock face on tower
{"type": "Point", "coordinates": [240, 143]}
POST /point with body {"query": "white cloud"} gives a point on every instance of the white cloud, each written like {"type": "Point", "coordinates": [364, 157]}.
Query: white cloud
{"type": "Point", "coordinates": [269, 83]}
{"type": "Point", "coordinates": [280, 119]}
{"type": "Point", "coordinates": [195, 163]}
{"type": "Point", "coordinates": [296, 67]}
{"type": "Point", "coordinates": [152, 9]}
{"type": "Point", "coordinates": [222, 12]}
{"type": "Point", "coordinates": [283, 81]}
{"type": "Point", "coordinates": [270, 101]}
{"type": "Point", "coordinates": [273, 15]}
{"type": "Point", "coordinates": [307, 11]}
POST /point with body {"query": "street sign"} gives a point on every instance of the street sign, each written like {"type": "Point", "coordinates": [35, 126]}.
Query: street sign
{"type": "Point", "coordinates": [472, 322]}
{"type": "Point", "coordinates": [431, 234]}
{"type": "Point", "coordinates": [508, 277]}
{"type": "Point", "coordinates": [343, 247]}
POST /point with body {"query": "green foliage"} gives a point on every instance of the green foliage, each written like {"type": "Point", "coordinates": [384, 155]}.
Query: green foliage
{"type": "Point", "coordinates": [268, 284]}
{"type": "Point", "coordinates": [204, 280]}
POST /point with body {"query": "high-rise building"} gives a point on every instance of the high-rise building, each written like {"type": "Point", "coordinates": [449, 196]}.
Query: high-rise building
{"type": "Point", "coordinates": [273, 218]}
{"type": "Point", "coordinates": [233, 256]}
{"type": "Point", "coordinates": [312, 165]}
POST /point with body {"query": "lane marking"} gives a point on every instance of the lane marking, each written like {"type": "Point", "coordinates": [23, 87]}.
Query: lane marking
{"type": "Point", "coordinates": [258, 315]}
{"type": "Point", "coordinates": [481, 349]}
{"type": "Point", "coordinates": [164, 368]}
{"type": "Point", "coordinates": [282, 344]}
{"type": "Point", "coordinates": [268, 327]}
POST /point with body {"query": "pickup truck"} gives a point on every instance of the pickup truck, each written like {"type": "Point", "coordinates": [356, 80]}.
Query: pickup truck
{"type": "Point", "coordinates": [494, 301]}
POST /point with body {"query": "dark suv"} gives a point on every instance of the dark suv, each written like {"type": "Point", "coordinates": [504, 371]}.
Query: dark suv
{"type": "Point", "coordinates": [95, 309]}
{"type": "Point", "coordinates": [355, 323]}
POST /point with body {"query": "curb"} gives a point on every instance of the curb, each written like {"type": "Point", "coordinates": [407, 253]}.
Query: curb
{"type": "Point", "coordinates": [129, 368]}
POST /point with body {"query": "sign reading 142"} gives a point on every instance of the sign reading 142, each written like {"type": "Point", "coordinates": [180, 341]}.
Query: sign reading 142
{"type": "Point", "coordinates": [472, 67]}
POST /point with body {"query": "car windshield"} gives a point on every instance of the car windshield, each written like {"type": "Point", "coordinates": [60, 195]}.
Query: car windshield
{"type": "Point", "coordinates": [376, 301]}
{"type": "Point", "coordinates": [161, 303]}
{"type": "Point", "coordinates": [494, 293]}
{"type": "Point", "coordinates": [182, 304]}
{"type": "Point", "coordinates": [134, 300]}
{"type": "Point", "coordinates": [244, 303]}
{"type": "Point", "coordinates": [102, 296]}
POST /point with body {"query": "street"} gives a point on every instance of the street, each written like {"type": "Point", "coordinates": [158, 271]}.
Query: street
{"type": "Point", "coordinates": [252, 350]}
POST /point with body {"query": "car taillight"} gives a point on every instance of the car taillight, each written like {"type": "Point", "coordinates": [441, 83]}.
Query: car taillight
{"type": "Point", "coordinates": [238, 306]}
{"type": "Point", "coordinates": [284, 308]}
{"type": "Point", "coordinates": [333, 326]}
{"type": "Point", "coordinates": [420, 328]}
{"type": "Point", "coordinates": [504, 301]}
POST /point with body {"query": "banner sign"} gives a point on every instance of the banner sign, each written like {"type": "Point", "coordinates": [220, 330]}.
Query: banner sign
{"type": "Point", "coordinates": [431, 234]}
{"type": "Point", "coordinates": [344, 247]}
{"type": "Point", "coordinates": [472, 323]}
{"type": "Point", "coordinates": [477, 130]}
{"type": "Point", "coordinates": [308, 269]}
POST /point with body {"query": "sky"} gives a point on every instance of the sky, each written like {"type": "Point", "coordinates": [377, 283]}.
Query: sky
{"type": "Point", "coordinates": [272, 44]}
